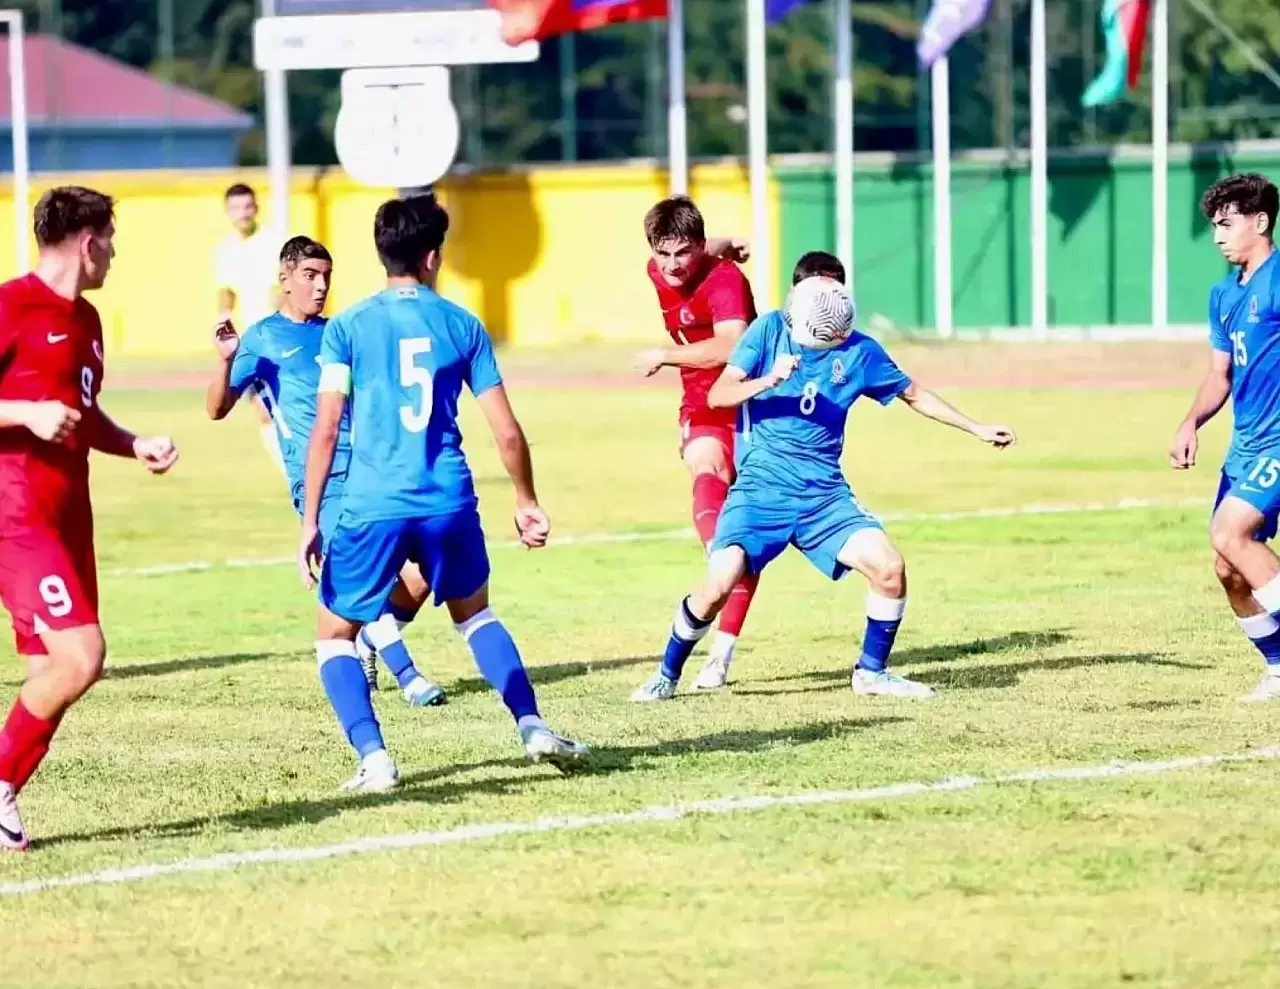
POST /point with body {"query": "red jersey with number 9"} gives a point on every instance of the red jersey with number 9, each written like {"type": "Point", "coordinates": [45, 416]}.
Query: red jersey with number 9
{"type": "Point", "coordinates": [50, 350]}
{"type": "Point", "coordinates": [719, 293]}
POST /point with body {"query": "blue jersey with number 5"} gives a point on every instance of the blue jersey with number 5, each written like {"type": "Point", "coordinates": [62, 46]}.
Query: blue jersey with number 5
{"type": "Point", "coordinates": [1244, 321]}
{"type": "Point", "coordinates": [790, 438]}
{"type": "Point", "coordinates": [409, 353]}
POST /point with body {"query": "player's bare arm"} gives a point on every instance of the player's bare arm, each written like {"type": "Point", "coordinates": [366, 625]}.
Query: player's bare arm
{"type": "Point", "coordinates": [157, 453]}
{"type": "Point", "coordinates": [1212, 395]}
{"type": "Point", "coordinates": [220, 398]}
{"type": "Point", "coordinates": [705, 354]}
{"type": "Point", "coordinates": [513, 448]}
{"type": "Point", "coordinates": [330, 404]}
{"type": "Point", "coordinates": [933, 406]}
{"type": "Point", "coordinates": [50, 421]}
{"type": "Point", "coordinates": [734, 388]}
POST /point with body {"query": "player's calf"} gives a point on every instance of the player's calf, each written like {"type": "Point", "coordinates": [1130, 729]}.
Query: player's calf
{"type": "Point", "coordinates": [1262, 629]}
{"type": "Point", "coordinates": [1233, 533]}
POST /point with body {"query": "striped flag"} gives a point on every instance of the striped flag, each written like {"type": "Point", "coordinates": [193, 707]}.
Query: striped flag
{"type": "Point", "coordinates": [948, 20]}
{"type": "Point", "coordinates": [1124, 22]}
{"type": "Point", "coordinates": [535, 20]}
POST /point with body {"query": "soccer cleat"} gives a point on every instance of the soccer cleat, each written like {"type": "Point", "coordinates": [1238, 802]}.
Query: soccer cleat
{"type": "Point", "coordinates": [886, 684]}
{"type": "Point", "coordinates": [12, 835]}
{"type": "Point", "coordinates": [660, 688]}
{"type": "Point", "coordinates": [541, 744]}
{"type": "Point", "coordinates": [421, 692]}
{"type": "Point", "coordinates": [1268, 689]}
{"type": "Point", "coordinates": [377, 774]}
{"type": "Point", "coordinates": [715, 674]}
{"type": "Point", "coordinates": [368, 660]}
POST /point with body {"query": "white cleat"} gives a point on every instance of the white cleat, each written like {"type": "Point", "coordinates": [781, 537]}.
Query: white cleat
{"type": "Point", "coordinates": [12, 835]}
{"type": "Point", "coordinates": [715, 674]}
{"type": "Point", "coordinates": [660, 688]}
{"type": "Point", "coordinates": [886, 684]}
{"type": "Point", "coordinates": [377, 774]}
{"type": "Point", "coordinates": [541, 744]}
{"type": "Point", "coordinates": [1268, 689]}
{"type": "Point", "coordinates": [421, 692]}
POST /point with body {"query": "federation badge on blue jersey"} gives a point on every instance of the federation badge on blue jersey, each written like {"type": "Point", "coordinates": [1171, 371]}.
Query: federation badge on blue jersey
{"type": "Point", "coordinates": [1253, 309]}
{"type": "Point", "coordinates": [837, 372]}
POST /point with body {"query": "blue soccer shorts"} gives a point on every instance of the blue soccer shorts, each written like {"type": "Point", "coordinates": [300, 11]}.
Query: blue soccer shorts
{"type": "Point", "coordinates": [364, 559]}
{"type": "Point", "coordinates": [1259, 486]}
{"type": "Point", "coordinates": [763, 524]}
{"type": "Point", "coordinates": [330, 509]}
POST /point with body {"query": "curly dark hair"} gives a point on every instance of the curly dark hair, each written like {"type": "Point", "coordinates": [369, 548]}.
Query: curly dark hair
{"type": "Point", "coordinates": [299, 249]}
{"type": "Point", "coordinates": [1248, 194]}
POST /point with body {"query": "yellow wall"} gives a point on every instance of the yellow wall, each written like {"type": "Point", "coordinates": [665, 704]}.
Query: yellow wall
{"type": "Point", "coordinates": [543, 256]}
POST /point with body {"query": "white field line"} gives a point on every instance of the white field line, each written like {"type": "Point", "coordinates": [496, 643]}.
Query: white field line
{"type": "Point", "coordinates": [667, 535]}
{"type": "Point", "coordinates": [645, 815]}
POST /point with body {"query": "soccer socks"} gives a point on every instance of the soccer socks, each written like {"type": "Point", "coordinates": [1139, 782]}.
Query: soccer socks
{"type": "Point", "coordinates": [686, 632]}
{"type": "Point", "coordinates": [709, 493]}
{"type": "Point", "coordinates": [734, 614]}
{"type": "Point", "coordinates": [1268, 596]}
{"type": "Point", "coordinates": [384, 636]}
{"type": "Point", "coordinates": [24, 743]}
{"type": "Point", "coordinates": [348, 693]}
{"type": "Point", "coordinates": [1264, 632]}
{"type": "Point", "coordinates": [498, 661]}
{"type": "Point", "coordinates": [884, 617]}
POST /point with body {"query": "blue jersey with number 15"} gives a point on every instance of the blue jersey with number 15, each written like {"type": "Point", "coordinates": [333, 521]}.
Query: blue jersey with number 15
{"type": "Point", "coordinates": [1244, 321]}
{"type": "Point", "coordinates": [408, 353]}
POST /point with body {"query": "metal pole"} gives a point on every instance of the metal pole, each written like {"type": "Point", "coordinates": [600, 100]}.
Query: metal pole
{"type": "Point", "coordinates": [941, 112]}
{"type": "Point", "coordinates": [843, 114]}
{"type": "Point", "coordinates": [1160, 164]}
{"type": "Point", "coordinates": [21, 146]}
{"type": "Point", "coordinates": [758, 153]}
{"type": "Point", "coordinates": [1039, 174]}
{"type": "Point", "coordinates": [677, 111]}
{"type": "Point", "coordinates": [568, 98]}
{"type": "Point", "coordinates": [166, 59]}
{"type": "Point", "coordinates": [279, 152]}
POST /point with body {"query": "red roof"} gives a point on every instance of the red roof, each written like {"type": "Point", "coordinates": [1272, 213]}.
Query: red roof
{"type": "Point", "coordinates": [68, 83]}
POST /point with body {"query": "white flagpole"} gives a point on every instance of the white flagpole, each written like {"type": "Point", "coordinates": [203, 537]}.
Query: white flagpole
{"type": "Point", "coordinates": [1039, 174]}
{"type": "Point", "coordinates": [279, 151]}
{"type": "Point", "coordinates": [758, 154]}
{"type": "Point", "coordinates": [942, 306]}
{"type": "Point", "coordinates": [677, 111]}
{"type": "Point", "coordinates": [1160, 164]}
{"type": "Point", "coordinates": [843, 99]}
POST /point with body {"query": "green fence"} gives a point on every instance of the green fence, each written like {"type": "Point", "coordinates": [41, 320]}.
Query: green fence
{"type": "Point", "coordinates": [1099, 233]}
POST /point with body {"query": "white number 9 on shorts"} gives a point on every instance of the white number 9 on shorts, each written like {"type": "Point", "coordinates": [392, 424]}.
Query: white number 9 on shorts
{"type": "Point", "coordinates": [54, 593]}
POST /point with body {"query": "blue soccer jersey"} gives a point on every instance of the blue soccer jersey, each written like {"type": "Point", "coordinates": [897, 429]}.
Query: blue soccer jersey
{"type": "Point", "coordinates": [406, 354]}
{"type": "Point", "coordinates": [1244, 322]}
{"type": "Point", "coordinates": [280, 359]}
{"type": "Point", "coordinates": [791, 437]}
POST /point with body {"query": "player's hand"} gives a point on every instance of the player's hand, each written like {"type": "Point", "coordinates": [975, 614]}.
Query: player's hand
{"type": "Point", "coordinates": [998, 436]}
{"type": "Point", "coordinates": [309, 555]}
{"type": "Point", "coordinates": [782, 368]}
{"type": "Point", "coordinates": [1186, 444]}
{"type": "Point", "coordinates": [650, 362]}
{"type": "Point", "coordinates": [533, 526]}
{"type": "Point", "coordinates": [736, 250]}
{"type": "Point", "coordinates": [225, 339]}
{"type": "Point", "coordinates": [157, 453]}
{"type": "Point", "coordinates": [52, 421]}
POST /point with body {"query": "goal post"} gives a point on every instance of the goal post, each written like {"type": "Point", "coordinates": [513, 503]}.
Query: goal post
{"type": "Point", "coordinates": [12, 19]}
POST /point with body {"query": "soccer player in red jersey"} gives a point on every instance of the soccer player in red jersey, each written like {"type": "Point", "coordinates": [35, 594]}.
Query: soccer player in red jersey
{"type": "Point", "coordinates": [706, 303]}
{"type": "Point", "coordinates": [50, 374]}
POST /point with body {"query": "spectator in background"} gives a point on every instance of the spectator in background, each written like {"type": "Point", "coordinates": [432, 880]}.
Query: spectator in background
{"type": "Point", "coordinates": [247, 275]}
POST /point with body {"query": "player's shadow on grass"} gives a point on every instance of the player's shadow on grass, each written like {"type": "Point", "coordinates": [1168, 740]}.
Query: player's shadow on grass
{"type": "Point", "coordinates": [135, 671]}
{"type": "Point", "coordinates": [825, 679]}
{"type": "Point", "coordinates": [435, 786]}
{"type": "Point", "coordinates": [1009, 674]}
{"type": "Point", "coordinates": [542, 676]}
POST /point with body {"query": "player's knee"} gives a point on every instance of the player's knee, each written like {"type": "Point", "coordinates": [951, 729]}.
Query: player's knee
{"type": "Point", "coordinates": [1228, 538]}
{"type": "Point", "coordinates": [889, 575]}
{"type": "Point", "coordinates": [80, 658]}
{"type": "Point", "coordinates": [727, 567]}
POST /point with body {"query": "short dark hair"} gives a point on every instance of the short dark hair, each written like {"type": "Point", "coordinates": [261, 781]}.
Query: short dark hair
{"type": "Point", "coordinates": [239, 189]}
{"type": "Point", "coordinates": [1248, 194]}
{"type": "Point", "coordinates": [70, 209]}
{"type": "Point", "coordinates": [818, 264]}
{"type": "Point", "coordinates": [405, 231]}
{"type": "Point", "coordinates": [299, 249]}
{"type": "Point", "coordinates": [676, 218]}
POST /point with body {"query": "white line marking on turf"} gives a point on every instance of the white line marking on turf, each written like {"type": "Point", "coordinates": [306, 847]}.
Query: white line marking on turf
{"type": "Point", "coordinates": [645, 815]}
{"type": "Point", "coordinates": [667, 535]}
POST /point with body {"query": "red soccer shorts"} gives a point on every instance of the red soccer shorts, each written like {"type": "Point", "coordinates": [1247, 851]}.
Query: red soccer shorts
{"type": "Point", "coordinates": [695, 426]}
{"type": "Point", "coordinates": [48, 582]}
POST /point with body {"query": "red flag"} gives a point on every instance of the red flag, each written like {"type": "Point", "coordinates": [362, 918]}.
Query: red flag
{"type": "Point", "coordinates": [535, 20]}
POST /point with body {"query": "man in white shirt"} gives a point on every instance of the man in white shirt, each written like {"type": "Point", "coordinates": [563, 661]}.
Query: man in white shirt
{"type": "Point", "coordinates": [247, 275]}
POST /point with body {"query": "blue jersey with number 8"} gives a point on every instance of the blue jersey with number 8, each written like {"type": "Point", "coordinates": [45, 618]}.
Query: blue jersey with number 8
{"type": "Point", "coordinates": [406, 354]}
{"type": "Point", "coordinates": [1244, 322]}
